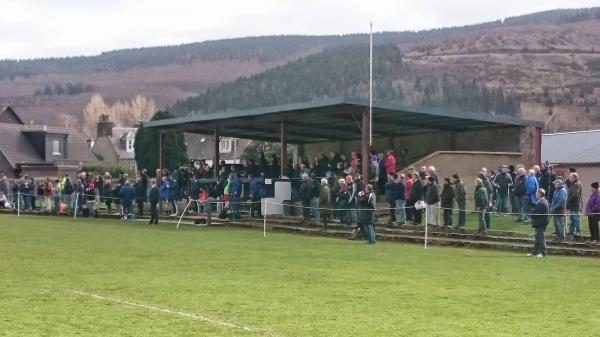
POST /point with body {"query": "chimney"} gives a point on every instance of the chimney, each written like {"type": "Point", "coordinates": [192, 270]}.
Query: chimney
{"type": "Point", "coordinates": [105, 127]}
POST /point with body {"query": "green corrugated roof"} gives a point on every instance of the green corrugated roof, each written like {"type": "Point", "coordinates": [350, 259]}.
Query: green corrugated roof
{"type": "Point", "coordinates": [334, 119]}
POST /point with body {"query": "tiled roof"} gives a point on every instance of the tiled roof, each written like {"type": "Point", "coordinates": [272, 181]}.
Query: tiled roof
{"type": "Point", "coordinates": [17, 149]}
{"type": "Point", "coordinates": [119, 134]}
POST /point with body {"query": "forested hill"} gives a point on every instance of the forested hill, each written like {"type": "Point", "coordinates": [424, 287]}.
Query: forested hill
{"type": "Point", "coordinates": [344, 72]}
{"type": "Point", "coordinates": [545, 65]}
{"type": "Point", "coordinates": [265, 48]}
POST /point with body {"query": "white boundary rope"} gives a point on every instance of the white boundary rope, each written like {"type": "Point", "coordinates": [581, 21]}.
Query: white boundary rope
{"type": "Point", "coordinates": [248, 202]}
{"type": "Point", "coordinates": [166, 311]}
{"type": "Point", "coordinates": [265, 218]}
{"type": "Point", "coordinates": [426, 225]}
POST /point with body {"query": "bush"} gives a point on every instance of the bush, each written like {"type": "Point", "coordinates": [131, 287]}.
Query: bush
{"type": "Point", "coordinates": [115, 171]}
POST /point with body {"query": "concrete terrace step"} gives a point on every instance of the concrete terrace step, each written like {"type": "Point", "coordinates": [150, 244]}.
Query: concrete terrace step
{"type": "Point", "coordinates": [499, 240]}
{"type": "Point", "coordinates": [481, 242]}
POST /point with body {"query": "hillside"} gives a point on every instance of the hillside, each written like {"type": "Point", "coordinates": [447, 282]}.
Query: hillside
{"type": "Point", "coordinates": [548, 61]}
{"type": "Point", "coordinates": [344, 71]}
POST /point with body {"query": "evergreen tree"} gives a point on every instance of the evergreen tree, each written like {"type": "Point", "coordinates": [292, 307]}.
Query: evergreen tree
{"type": "Point", "coordinates": [146, 147]}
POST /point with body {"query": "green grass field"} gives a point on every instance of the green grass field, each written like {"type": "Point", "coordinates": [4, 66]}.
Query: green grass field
{"type": "Point", "coordinates": [219, 280]}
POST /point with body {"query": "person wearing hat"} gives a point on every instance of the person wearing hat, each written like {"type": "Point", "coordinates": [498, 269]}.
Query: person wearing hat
{"type": "Point", "coordinates": [558, 208]}
{"type": "Point", "coordinates": [574, 205]}
{"type": "Point", "coordinates": [592, 210]}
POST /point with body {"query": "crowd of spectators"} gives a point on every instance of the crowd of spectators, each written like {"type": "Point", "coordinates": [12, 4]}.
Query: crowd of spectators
{"type": "Point", "coordinates": [328, 188]}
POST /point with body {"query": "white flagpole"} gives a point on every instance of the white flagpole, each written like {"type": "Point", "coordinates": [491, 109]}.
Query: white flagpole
{"type": "Point", "coordinates": [371, 86]}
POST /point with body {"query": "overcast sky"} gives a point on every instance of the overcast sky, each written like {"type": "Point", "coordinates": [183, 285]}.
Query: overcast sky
{"type": "Point", "coordinates": [44, 28]}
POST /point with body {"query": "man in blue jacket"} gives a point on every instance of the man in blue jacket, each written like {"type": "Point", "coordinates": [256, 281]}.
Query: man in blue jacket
{"type": "Point", "coordinates": [558, 208]}
{"type": "Point", "coordinates": [257, 192]}
{"type": "Point", "coordinates": [531, 187]}
{"type": "Point", "coordinates": [126, 195]}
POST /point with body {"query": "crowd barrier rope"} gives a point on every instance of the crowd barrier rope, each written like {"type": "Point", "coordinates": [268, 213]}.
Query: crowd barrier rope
{"type": "Point", "coordinates": [267, 203]}
{"type": "Point", "coordinates": [249, 202]}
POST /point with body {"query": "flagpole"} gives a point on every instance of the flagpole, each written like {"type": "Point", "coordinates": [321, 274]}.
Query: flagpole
{"type": "Point", "coordinates": [371, 86]}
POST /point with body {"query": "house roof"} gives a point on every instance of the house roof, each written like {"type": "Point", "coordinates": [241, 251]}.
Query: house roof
{"type": "Point", "coordinates": [8, 115]}
{"type": "Point", "coordinates": [18, 150]}
{"type": "Point", "coordinates": [119, 136]}
{"type": "Point", "coordinates": [334, 119]}
{"type": "Point", "coordinates": [582, 147]}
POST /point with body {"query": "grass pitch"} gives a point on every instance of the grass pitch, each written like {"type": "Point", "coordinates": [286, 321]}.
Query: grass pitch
{"type": "Point", "coordinates": [140, 280]}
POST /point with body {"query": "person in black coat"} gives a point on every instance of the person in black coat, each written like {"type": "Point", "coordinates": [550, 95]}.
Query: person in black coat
{"type": "Point", "coordinates": [140, 195]}
{"type": "Point", "coordinates": [154, 197]}
{"type": "Point", "coordinates": [306, 194]}
{"type": "Point", "coordinates": [539, 221]}
{"type": "Point", "coordinates": [417, 194]}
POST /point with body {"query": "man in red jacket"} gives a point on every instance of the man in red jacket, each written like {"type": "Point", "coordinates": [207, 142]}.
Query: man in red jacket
{"type": "Point", "coordinates": [390, 162]}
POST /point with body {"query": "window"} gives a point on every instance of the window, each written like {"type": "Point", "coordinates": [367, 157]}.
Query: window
{"type": "Point", "coordinates": [129, 145]}
{"type": "Point", "coordinates": [225, 145]}
{"type": "Point", "coordinates": [56, 147]}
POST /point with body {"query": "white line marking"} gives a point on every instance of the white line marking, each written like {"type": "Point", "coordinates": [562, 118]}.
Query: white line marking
{"type": "Point", "coordinates": [166, 311]}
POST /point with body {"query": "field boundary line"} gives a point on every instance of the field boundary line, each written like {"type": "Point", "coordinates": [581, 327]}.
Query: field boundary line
{"type": "Point", "coordinates": [166, 311]}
